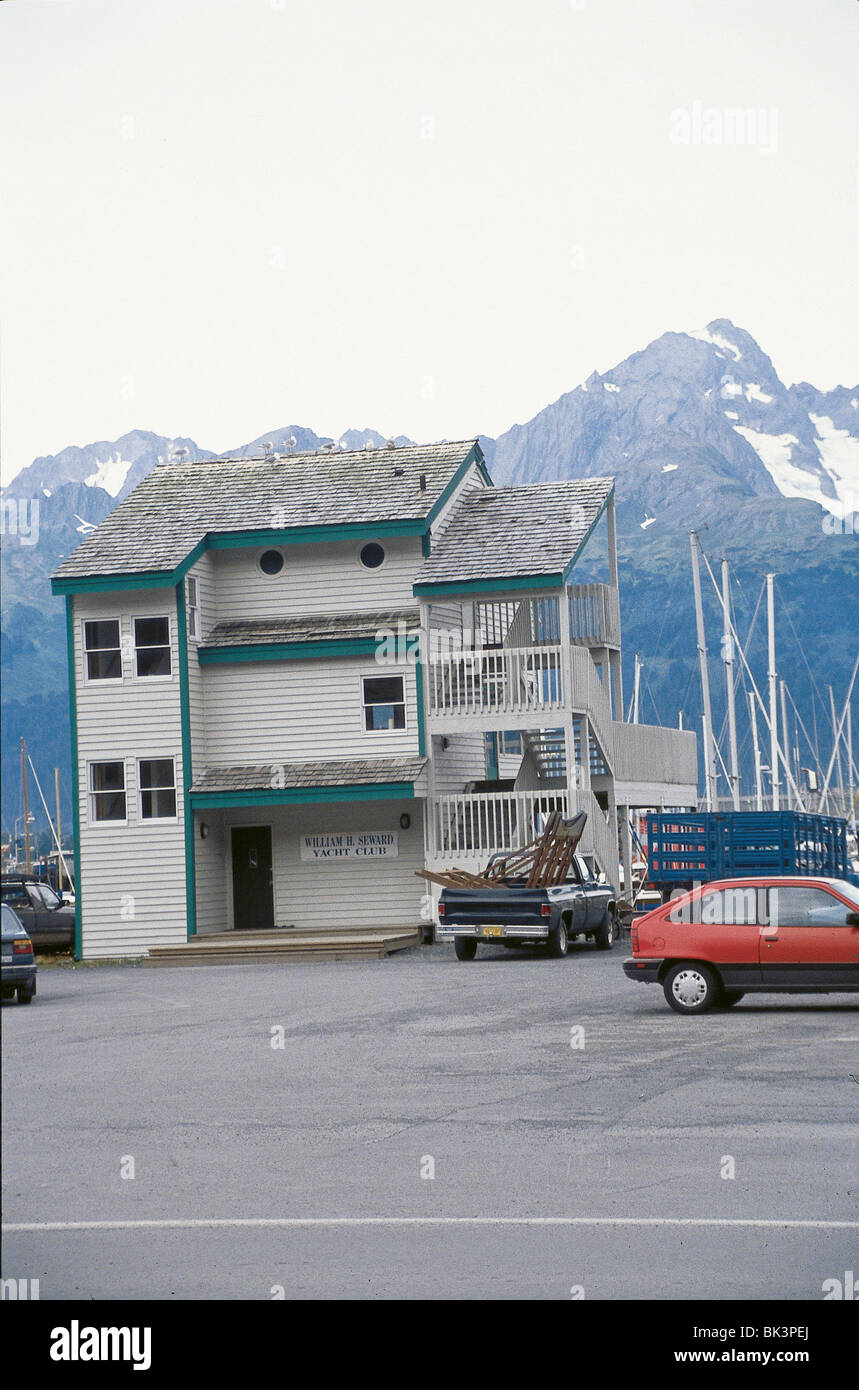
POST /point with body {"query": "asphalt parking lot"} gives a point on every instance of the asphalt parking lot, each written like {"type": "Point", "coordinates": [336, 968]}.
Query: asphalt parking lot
{"type": "Point", "coordinates": [565, 1163]}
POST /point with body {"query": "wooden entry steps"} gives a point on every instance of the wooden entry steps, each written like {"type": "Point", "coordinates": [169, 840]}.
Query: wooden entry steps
{"type": "Point", "coordinates": [279, 946]}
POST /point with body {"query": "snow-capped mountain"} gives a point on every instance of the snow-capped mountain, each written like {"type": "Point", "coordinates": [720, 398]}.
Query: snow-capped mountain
{"type": "Point", "coordinates": [705, 407]}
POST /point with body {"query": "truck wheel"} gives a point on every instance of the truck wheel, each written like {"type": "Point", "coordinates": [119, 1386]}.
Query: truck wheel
{"type": "Point", "coordinates": [25, 994]}
{"type": "Point", "coordinates": [606, 931]}
{"type": "Point", "coordinates": [465, 947]}
{"type": "Point", "coordinates": [559, 940]}
{"type": "Point", "coordinates": [691, 988]}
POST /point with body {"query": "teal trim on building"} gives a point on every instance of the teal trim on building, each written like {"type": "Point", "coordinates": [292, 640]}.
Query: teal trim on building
{"type": "Point", "coordinates": [419, 699]}
{"type": "Point", "coordinates": [474, 455]}
{"type": "Point", "coordinates": [187, 769]}
{"type": "Point", "coordinates": [299, 535]}
{"type": "Point", "coordinates": [296, 796]}
{"type": "Point", "coordinates": [73, 742]}
{"type": "Point", "coordinates": [486, 586]}
{"type": "Point", "coordinates": [287, 651]}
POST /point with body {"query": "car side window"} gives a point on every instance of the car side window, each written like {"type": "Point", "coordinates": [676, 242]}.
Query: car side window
{"type": "Point", "coordinates": [34, 894]}
{"type": "Point", "coordinates": [793, 906]}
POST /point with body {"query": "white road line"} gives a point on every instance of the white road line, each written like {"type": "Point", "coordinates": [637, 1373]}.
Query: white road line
{"type": "Point", "coordinates": [286, 1222]}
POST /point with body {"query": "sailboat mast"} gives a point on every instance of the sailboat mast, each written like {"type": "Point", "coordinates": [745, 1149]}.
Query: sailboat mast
{"type": "Point", "coordinates": [835, 735]}
{"type": "Point", "coordinates": [852, 812]}
{"type": "Point", "coordinates": [27, 861]}
{"type": "Point", "coordinates": [709, 752]}
{"type": "Point", "coordinates": [636, 688]}
{"type": "Point", "coordinates": [771, 676]}
{"type": "Point", "coordinates": [753, 718]}
{"type": "Point", "coordinates": [59, 829]}
{"type": "Point", "coordinates": [728, 658]}
{"type": "Point", "coordinates": [786, 737]}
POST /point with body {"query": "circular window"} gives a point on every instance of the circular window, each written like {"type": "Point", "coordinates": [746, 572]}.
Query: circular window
{"type": "Point", "coordinates": [271, 562]}
{"type": "Point", "coordinates": [372, 555]}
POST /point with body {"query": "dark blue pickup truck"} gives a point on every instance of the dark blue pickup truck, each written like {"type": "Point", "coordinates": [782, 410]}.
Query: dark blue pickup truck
{"type": "Point", "coordinates": [513, 914]}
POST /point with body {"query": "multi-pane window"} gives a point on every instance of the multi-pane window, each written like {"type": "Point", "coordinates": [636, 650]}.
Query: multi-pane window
{"type": "Point", "coordinates": [103, 651]}
{"type": "Point", "coordinates": [384, 703]}
{"type": "Point", "coordinates": [193, 607]}
{"type": "Point", "coordinates": [107, 791]}
{"type": "Point", "coordinates": [157, 789]}
{"type": "Point", "coordinates": [152, 646]}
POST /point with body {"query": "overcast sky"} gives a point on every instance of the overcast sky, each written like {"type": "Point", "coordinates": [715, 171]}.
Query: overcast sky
{"type": "Point", "coordinates": [427, 218]}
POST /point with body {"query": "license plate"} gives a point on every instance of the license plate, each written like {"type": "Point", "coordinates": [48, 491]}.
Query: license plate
{"type": "Point", "coordinates": [491, 931]}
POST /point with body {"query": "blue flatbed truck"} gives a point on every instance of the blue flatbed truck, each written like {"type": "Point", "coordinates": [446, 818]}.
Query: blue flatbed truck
{"type": "Point", "coordinates": [684, 849]}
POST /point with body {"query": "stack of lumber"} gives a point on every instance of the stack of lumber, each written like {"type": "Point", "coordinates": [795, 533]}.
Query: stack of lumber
{"type": "Point", "coordinates": [543, 863]}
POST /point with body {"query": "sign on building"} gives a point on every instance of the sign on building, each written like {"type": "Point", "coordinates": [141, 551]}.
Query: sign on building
{"type": "Point", "coordinates": [352, 844]}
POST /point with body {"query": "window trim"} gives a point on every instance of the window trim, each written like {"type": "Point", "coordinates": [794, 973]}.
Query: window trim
{"type": "Point", "coordinates": [94, 821]}
{"type": "Point", "coordinates": [362, 545]}
{"type": "Point", "coordinates": [157, 646]}
{"type": "Point", "coordinates": [365, 705]}
{"type": "Point", "coordinates": [101, 680]}
{"type": "Point", "coordinates": [278, 550]}
{"type": "Point", "coordinates": [192, 610]}
{"type": "Point", "coordinates": [157, 820]}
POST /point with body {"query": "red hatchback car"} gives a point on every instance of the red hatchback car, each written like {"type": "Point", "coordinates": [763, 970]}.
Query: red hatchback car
{"type": "Point", "coordinates": [709, 947]}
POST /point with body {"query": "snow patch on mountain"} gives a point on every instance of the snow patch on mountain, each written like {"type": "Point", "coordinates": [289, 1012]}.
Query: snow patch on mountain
{"type": "Point", "coordinates": [110, 475]}
{"type": "Point", "coordinates": [730, 387]}
{"type": "Point", "coordinates": [774, 452]}
{"type": "Point", "coordinates": [839, 454]}
{"type": "Point", "coordinates": [753, 392]}
{"type": "Point", "coordinates": [706, 336]}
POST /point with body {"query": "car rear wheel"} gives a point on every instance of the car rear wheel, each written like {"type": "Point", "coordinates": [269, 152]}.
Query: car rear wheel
{"type": "Point", "coordinates": [606, 931]}
{"type": "Point", "coordinates": [25, 994]}
{"type": "Point", "coordinates": [691, 988]}
{"type": "Point", "coordinates": [9, 993]}
{"type": "Point", "coordinates": [559, 940]}
{"type": "Point", "coordinates": [465, 947]}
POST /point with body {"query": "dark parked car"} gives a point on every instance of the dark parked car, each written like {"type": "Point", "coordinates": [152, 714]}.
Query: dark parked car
{"type": "Point", "coordinates": [49, 921]}
{"type": "Point", "coordinates": [17, 963]}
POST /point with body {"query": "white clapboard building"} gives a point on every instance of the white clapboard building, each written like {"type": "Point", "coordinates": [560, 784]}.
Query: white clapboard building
{"type": "Point", "coordinates": [297, 680]}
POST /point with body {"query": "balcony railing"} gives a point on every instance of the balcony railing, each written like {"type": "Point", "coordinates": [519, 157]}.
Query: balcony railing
{"type": "Point", "coordinates": [507, 680]}
{"type": "Point", "coordinates": [468, 824]}
{"type": "Point", "coordinates": [464, 829]}
{"type": "Point", "coordinates": [649, 753]}
{"type": "Point", "coordinates": [595, 615]}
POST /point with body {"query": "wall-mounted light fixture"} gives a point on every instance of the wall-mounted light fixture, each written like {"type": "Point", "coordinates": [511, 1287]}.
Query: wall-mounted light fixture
{"type": "Point", "coordinates": [445, 744]}
{"type": "Point", "coordinates": [204, 831]}
{"type": "Point", "coordinates": [405, 820]}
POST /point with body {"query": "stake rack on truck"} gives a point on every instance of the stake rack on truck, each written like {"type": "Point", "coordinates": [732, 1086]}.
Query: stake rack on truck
{"type": "Point", "coordinates": [543, 894]}
{"type": "Point", "coordinates": [685, 849]}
